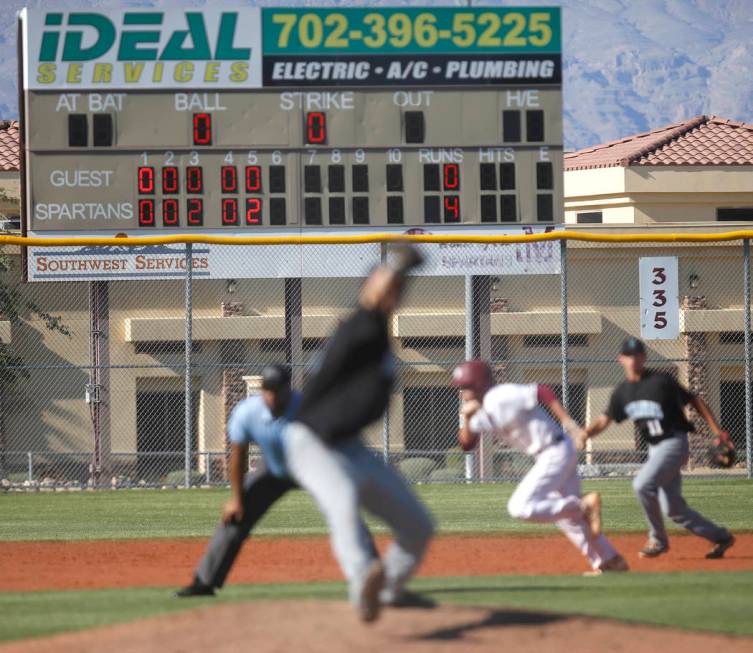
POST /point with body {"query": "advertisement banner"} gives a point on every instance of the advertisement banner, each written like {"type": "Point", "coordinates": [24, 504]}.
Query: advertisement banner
{"type": "Point", "coordinates": [142, 48]}
{"type": "Point", "coordinates": [418, 46]}
{"type": "Point", "coordinates": [120, 263]}
{"type": "Point", "coordinates": [214, 48]}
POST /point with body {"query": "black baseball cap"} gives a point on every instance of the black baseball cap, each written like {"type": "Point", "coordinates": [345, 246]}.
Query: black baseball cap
{"type": "Point", "coordinates": [632, 347]}
{"type": "Point", "coordinates": [275, 377]}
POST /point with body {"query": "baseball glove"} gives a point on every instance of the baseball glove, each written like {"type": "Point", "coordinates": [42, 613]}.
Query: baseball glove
{"type": "Point", "coordinates": [722, 453]}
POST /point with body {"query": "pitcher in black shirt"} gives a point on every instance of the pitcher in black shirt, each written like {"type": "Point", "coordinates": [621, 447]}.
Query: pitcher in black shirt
{"type": "Point", "coordinates": [656, 403]}
{"type": "Point", "coordinates": [326, 456]}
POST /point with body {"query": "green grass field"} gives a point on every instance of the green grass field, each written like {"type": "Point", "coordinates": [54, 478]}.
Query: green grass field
{"type": "Point", "coordinates": [704, 601]}
{"type": "Point", "coordinates": [127, 514]}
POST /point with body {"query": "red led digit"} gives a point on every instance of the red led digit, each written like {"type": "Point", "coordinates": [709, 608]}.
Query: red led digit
{"type": "Point", "coordinates": [194, 183]}
{"type": "Point", "coordinates": [170, 212]}
{"type": "Point", "coordinates": [146, 213]}
{"type": "Point", "coordinates": [316, 127]}
{"type": "Point", "coordinates": [253, 210]}
{"type": "Point", "coordinates": [146, 180]}
{"type": "Point", "coordinates": [195, 213]}
{"type": "Point", "coordinates": [170, 179]}
{"type": "Point", "coordinates": [229, 210]}
{"type": "Point", "coordinates": [202, 129]}
{"type": "Point", "coordinates": [451, 176]}
{"type": "Point", "coordinates": [253, 179]}
{"type": "Point", "coordinates": [452, 208]}
{"type": "Point", "coordinates": [229, 179]}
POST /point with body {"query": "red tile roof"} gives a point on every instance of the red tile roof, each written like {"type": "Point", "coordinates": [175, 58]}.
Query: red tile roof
{"type": "Point", "coordinates": [9, 144]}
{"type": "Point", "coordinates": [700, 141]}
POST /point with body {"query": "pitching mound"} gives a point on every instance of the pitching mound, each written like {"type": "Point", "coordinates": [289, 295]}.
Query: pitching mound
{"type": "Point", "coordinates": [328, 627]}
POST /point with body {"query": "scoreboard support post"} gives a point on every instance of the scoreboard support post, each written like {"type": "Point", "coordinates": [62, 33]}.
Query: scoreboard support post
{"type": "Point", "coordinates": [294, 329]}
{"type": "Point", "coordinates": [477, 345]}
{"type": "Point", "coordinates": [564, 327]}
{"type": "Point", "coordinates": [98, 388]}
{"type": "Point", "coordinates": [188, 398]}
{"type": "Point", "coordinates": [469, 325]}
{"type": "Point", "coordinates": [748, 360]}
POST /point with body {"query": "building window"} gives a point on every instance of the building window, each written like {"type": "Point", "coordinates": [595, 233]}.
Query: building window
{"type": "Point", "coordinates": [430, 419]}
{"type": "Point", "coordinates": [552, 341]}
{"type": "Point", "coordinates": [162, 347]}
{"type": "Point", "coordinates": [731, 410]}
{"type": "Point", "coordinates": [160, 432]}
{"type": "Point", "coordinates": [731, 338]}
{"type": "Point", "coordinates": [590, 217]}
{"type": "Point", "coordinates": [576, 399]}
{"type": "Point", "coordinates": [744, 214]}
{"type": "Point", "coordinates": [434, 342]}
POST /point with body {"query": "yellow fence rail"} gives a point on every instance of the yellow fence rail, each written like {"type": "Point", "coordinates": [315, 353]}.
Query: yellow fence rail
{"type": "Point", "coordinates": [375, 238]}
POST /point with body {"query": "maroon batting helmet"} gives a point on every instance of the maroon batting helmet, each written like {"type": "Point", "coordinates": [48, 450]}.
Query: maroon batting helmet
{"type": "Point", "coordinates": [473, 374]}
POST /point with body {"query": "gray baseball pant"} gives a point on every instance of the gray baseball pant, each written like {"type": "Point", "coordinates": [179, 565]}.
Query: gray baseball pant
{"type": "Point", "coordinates": [345, 477]}
{"type": "Point", "coordinates": [658, 486]}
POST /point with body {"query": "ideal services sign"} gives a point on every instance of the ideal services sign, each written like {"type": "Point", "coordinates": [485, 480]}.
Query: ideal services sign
{"type": "Point", "coordinates": [208, 48]}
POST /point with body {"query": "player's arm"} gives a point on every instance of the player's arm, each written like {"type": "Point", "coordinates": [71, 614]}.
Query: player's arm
{"type": "Point", "coordinates": [233, 510]}
{"type": "Point", "coordinates": [467, 437]}
{"type": "Point", "coordinates": [598, 425]}
{"type": "Point", "coordinates": [704, 411]}
{"type": "Point", "coordinates": [615, 412]}
{"type": "Point", "coordinates": [546, 397]}
{"type": "Point", "coordinates": [237, 434]}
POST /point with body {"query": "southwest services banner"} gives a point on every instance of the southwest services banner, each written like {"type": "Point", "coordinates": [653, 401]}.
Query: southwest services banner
{"type": "Point", "coordinates": [120, 263]}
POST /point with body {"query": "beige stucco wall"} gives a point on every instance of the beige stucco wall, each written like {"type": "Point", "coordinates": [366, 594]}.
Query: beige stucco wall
{"type": "Point", "coordinates": [648, 195]}
{"type": "Point", "coordinates": [603, 294]}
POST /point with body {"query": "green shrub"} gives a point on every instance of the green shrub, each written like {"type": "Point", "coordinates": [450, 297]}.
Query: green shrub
{"type": "Point", "coordinates": [447, 475]}
{"type": "Point", "coordinates": [417, 469]}
{"type": "Point", "coordinates": [455, 460]}
{"type": "Point", "coordinates": [178, 477]}
{"type": "Point", "coordinates": [17, 477]}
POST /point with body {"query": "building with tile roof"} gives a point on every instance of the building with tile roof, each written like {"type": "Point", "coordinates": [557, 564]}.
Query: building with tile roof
{"type": "Point", "coordinates": [698, 170]}
{"type": "Point", "coordinates": [9, 146]}
{"type": "Point", "coordinates": [10, 184]}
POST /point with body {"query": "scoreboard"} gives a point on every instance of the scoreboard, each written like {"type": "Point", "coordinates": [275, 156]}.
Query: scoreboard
{"type": "Point", "coordinates": [290, 119]}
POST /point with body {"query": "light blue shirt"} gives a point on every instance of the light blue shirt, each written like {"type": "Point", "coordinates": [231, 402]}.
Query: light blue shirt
{"type": "Point", "coordinates": [252, 422]}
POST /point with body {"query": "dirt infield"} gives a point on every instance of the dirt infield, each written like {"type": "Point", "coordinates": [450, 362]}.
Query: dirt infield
{"type": "Point", "coordinates": [142, 563]}
{"type": "Point", "coordinates": [332, 628]}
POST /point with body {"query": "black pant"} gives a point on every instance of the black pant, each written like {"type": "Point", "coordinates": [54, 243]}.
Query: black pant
{"type": "Point", "coordinates": [260, 491]}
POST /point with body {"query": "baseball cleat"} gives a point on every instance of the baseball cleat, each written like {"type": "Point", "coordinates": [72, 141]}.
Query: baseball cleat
{"type": "Point", "coordinates": [615, 564]}
{"type": "Point", "coordinates": [591, 505]}
{"type": "Point", "coordinates": [653, 549]}
{"type": "Point", "coordinates": [194, 589]}
{"type": "Point", "coordinates": [720, 547]}
{"type": "Point", "coordinates": [368, 599]}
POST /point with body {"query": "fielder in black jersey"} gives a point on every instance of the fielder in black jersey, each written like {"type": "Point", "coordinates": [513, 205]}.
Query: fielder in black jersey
{"type": "Point", "coordinates": [656, 403]}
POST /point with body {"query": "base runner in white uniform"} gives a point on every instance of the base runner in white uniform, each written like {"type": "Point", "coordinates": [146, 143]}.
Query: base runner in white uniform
{"type": "Point", "coordinates": [550, 492]}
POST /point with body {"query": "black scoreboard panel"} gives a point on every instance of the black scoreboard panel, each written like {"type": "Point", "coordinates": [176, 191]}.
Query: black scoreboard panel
{"type": "Point", "coordinates": [158, 160]}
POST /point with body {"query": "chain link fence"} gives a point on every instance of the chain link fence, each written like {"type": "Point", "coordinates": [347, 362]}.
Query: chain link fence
{"type": "Point", "coordinates": [111, 395]}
